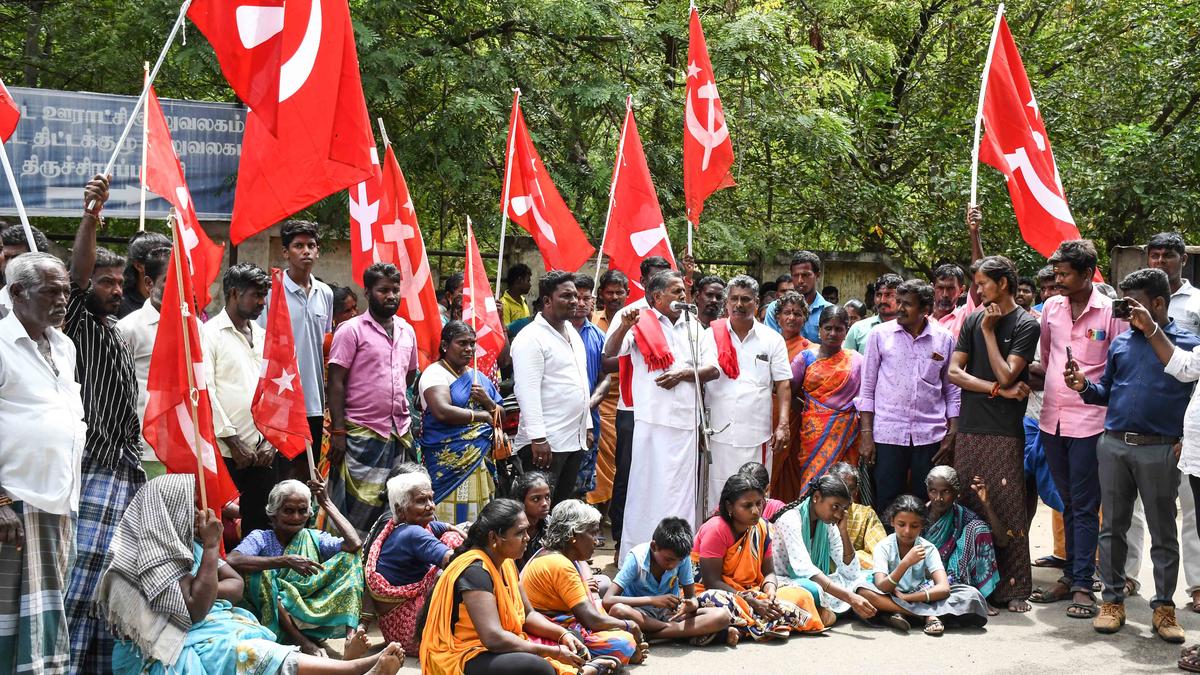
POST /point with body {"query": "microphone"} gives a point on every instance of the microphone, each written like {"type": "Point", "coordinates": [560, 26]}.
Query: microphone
{"type": "Point", "coordinates": [683, 307]}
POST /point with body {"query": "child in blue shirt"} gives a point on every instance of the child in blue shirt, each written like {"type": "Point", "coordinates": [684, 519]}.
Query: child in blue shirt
{"type": "Point", "coordinates": [656, 589]}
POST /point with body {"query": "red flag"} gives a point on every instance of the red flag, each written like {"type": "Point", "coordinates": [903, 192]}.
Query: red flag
{"type": "Point", "coordinates": [635, 223]}
{"type": "Point", "coordinates": [534, 203]}
{"type": "Point", "coordinates": [1016, 144]}
{"type": "Point", "coordinates": [707, 150]}
{"type": "Point", "coordinates": [10, 114]}
{"type": "Point", "coordinates": [169, 426]}
{"type": "Point", "coordinates": [479, 309]}
{"type": "Point", "coordinates": [364, 219]}
{"type": "Point", "coordinates": [319, 146]}
{"type": "Point", "coordinates": [400, 243]}
{"type": "Point", "coordinates": [247, 36]}
{"type": "Point", "coordinates": [278, 406]}
{"type": "Point", "coordinates": [164, 177]}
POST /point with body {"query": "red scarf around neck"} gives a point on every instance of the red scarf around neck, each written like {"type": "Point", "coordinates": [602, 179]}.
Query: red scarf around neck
{"type": "Point", "coordinates": [652, 342]}
{"type": "Point", "coordinates": [726, 354]}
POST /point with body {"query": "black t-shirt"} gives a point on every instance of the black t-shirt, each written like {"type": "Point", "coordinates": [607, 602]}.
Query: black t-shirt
{"type": "Point", "coordinates": [1016, 333]}
{"type": "Point", "coordinates": [474, 578]}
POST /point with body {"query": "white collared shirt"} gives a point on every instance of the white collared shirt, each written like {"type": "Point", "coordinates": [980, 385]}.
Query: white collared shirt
{"type": "Point", "coordinates": [1185, 307]}
{"type": "Point", "coordinates": [676, 407]}
{"type": "Point", "coordinates": [231, 369]}
{"type": "Point", "coordinates": [745, 404]}
{"type": "Point", "coordinates": [640, 303]}
{"type": "Point", "coordinates": [5, 298]}
{"type": "Point", "coordinates": [1185, 367]}
{"type": "Point", "coordinates": [138, 330]}
{"type": "Point", "coordinates": [41, 415]}
{"type": "Point", "coordinates": [551, 385]}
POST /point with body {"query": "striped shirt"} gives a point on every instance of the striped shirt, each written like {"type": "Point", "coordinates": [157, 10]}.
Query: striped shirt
{"type": "Point", "coordinates": [104, 367]}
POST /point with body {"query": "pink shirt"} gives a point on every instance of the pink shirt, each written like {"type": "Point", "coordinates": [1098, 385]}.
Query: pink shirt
{"type": "Point", "coordinates": [378, 368]}
{"type": "Point", "coordinates": [1063, 410]}
{"type": "Point", "coordinates": [954, 320]}
{"type": "Point", "coordinates": [715, 538]}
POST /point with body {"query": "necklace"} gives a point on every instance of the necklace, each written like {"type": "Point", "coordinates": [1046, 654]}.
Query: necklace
{"type": "Point", "coordinates": [447, 366]}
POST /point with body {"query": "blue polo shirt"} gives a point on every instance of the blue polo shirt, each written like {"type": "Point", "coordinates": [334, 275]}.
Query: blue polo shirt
{"type": "Point", "coordinates": [812, 327]}
{"type": "Point", "coordinates": [636, 581]}
{"type": "Point", "coordinates": [1141, 397]}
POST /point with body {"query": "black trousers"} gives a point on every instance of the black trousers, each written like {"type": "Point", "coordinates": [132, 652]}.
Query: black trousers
{"type": "Point", "coordinates": [255, 483]}
{"type": "Point", "coordinates": [564, 468]}
{"type": "Point", "coordinates": [624, 454]}
{"type": "Point", "coordinates": [513, 663]}
{"type": "Point", "coordinates": [297, 467]}
{"type": "Point", "coordinates": [1195, 483]}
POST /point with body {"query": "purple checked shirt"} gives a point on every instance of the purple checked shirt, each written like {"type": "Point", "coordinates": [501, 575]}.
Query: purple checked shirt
{"type": "Point", "coordinates": [906, 383]}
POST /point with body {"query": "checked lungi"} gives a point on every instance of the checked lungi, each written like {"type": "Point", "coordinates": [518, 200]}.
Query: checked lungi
{"type": "Point", "coordinates": [33, 582]}
{"type": "Point", "coordinates": [103, 498]}
{"type": "Point", "coordinates": [357, 486]}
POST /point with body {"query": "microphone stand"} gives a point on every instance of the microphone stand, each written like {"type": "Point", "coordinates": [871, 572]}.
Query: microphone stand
{"type": "Point", "coordinates": [705, 430]}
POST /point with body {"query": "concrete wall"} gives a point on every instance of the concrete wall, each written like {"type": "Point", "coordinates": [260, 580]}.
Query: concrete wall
{"type": "Point", "coordinates": [1126, 259]}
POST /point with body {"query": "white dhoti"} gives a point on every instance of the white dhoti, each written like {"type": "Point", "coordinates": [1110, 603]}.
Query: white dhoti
{"type": "Point", "coordinates": [662, 481]}
{"type": "Point", "coordinates": [726, 460]}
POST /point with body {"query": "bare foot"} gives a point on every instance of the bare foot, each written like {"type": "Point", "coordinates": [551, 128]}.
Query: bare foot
{"type": "Point", "coordinates": [828, 618]}
{"type": "Point", "coordinates": [389, 662]}
{"type": "Point", "coordinates": [992, 611]}
{"type": "Point", "coordinates": [356, 645]}
{"type": "Point", "coordinates": [732, 636]}
{"type": "Point", "coordinates": [1018, 606]}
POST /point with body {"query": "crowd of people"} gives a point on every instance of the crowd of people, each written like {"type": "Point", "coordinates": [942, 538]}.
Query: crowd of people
{"type": "Point", "coordinates": [766, 461]}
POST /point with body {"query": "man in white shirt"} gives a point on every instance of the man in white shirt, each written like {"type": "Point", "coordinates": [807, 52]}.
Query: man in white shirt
{"type": "Point", "coordinates": [41, 447]}
{"type": "Point", "coordinates": [138, 330]}
{"type": "Point", "coordinates": [752, 364]}
{"type": "Point", "coordinates": [233, 352]}
{"type": "Point", "coordinates": [552, 388]}
{"type": "Point", "coordinates": [13, 243]}
{"type": "Point", "coordinates": [663, 469]}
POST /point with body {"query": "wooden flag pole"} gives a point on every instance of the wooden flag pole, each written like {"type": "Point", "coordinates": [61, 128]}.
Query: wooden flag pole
{"type": "Point", "coordinates": [987, 66]}
{"type": "Point", "coordinates": [474, 319]}
{"type": "Point", "coordinates": [612, 189]}
{"type": "Point", "coordinates": [193, 392]}
{"type": "Point", "coordinates": [512, 144]}
{"type": "Point", "coordinates": [312, 466]}
{"type": "Point", "coordinates": [145, 142]}
{"type": "Point", "coordinates": [387, 143]}
{"type": "Point", "coordinates": [137, 107]}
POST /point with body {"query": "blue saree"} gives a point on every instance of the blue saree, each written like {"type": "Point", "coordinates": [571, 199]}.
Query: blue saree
{"type": "Point", "coordinates": [459, 456]}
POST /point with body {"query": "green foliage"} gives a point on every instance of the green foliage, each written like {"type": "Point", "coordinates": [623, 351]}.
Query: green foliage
{"type": "Point", "coordinates": [851, 119]}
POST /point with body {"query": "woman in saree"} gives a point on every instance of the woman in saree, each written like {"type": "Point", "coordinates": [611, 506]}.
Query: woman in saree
{"type": "Point", "coordinates": [556, 581]}
{"type": "Point", "coordinates": [826, 378]}
{"type": "Point", "coordinates": [861, 524]}
{"type": "Point", "coordinates": [305, 585]}
{"type": "Point", "coordinates": [963, 539]}
{"type": "Point", "coordinates": [176, 615]}
{"type": "Point", "coordinates": [791, 312]}
{"type": "Point", "coordinates": [812, 552]}
{"type": "Point", "coordinates": [459, 405]}
{"type": "Point", "coordinates": [737, 571]}
{"type": "Point", "coordinates": [405, 558]}
{"type": "Point", "coordinates": [479, 620]}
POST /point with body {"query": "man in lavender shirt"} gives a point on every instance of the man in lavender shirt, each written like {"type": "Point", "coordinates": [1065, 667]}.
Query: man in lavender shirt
{"type": "Point", "coordinates": [371, 363]}
{"type": "Point", "coordinates": [909, 408]}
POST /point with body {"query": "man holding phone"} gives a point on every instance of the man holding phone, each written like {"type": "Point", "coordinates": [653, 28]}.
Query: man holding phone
{"type": "Point", "coordinates": [1077, 327]}
{"type": "Point", "coordinates": [1138, 452]}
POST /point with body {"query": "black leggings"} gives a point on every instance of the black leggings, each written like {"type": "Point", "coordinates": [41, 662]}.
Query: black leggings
{"type": "Point", "coordinates": [513, 663]}
{"type": "Point", "coordinates": [1195, 482]}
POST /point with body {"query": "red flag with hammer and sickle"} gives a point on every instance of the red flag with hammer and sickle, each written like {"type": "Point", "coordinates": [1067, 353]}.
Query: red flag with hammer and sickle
{"type": "Point", "coordinates": [707, 150]}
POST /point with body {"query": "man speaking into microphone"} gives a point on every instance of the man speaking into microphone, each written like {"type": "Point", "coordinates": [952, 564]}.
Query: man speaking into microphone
{"type": "Point", "coordinates": [660, 341]}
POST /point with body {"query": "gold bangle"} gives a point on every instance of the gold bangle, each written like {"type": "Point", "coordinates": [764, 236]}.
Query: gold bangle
{"type": "Point", "coordinates": [562, 635]}
{"type": "Point", "coordinates": [5, 500]}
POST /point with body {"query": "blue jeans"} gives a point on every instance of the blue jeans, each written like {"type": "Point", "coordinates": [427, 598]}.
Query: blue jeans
{"type": "Point", "coordinates": [899, 470]}
{"type": "Point", "coordinates": [1076, 476]}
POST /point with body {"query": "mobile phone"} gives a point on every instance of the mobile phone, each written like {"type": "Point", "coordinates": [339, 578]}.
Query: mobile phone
{"type": "Point", "coordinates": [1070, 356]}
{"type": "Point", "coordinates": [1121, 308]}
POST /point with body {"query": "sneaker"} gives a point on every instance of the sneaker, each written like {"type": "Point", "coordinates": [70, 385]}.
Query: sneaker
{"type": "Point", "coordinates": [1166, 626]}
{"type": "Point", "coordinates": [1112, 617]}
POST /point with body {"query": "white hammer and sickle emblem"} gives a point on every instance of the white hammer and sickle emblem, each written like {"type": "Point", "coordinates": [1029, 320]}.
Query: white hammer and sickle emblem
{"type": "Point", "coordinates": [710, 135]}
{"type": "Point", "coordinates": [295, 71]}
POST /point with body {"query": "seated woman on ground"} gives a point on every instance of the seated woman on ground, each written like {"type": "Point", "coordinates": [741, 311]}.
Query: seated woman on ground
{"type": "Point", "coordinates": [532, 489]}
{"type": "Point", "coordinates": [651, 581]}
{"type": "Point", "coordinates": [479, 621]}
{"type": "Point", "coordinates": [910, 581]}
{"type": "Point", "coordinates": [814, 553]}
{"type": "Point", "coordinates": [303, 584]}
{"type": "Point", "coordinates": [861, 524]}
{"type": "Point", "coordinates": [177, 616]}
{"type": "Point", "coordinates": [405, 558]}
{"type": "Point", "coordinates": [733, 554]}
{"type": "Point", "coordinates": [556, 583]}
{"type": "Point", "coordinates": [963, 540]}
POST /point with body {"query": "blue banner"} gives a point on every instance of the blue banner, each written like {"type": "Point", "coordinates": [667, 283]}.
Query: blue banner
{"type": "Point", "coordinates": [65, 137]}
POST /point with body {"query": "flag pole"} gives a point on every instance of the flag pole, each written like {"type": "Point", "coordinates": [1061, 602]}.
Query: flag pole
{"type": "Point", "coordinates": [690, 226]}
{"type": "Point", "coordinates": [471, 278]}
{"type": "Point", "coordinates": [312, 466]}
{"type": "Point", "coordinates": [612, 189]}
{"type": "Point", "coordinates": [512, 142]}
{"type": "Point", "coordinates": [145, 141]}
{"type": "Point", "coordinates": [193, 392]}
{"type": "Point", "coordinates": [987, 66]}
{"type": "Point", "coordinates": [387, 143]}
{"type": "Point", "coordinates": [137, 107]}
{"type": "Point", "coordinates": [12, 185]}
